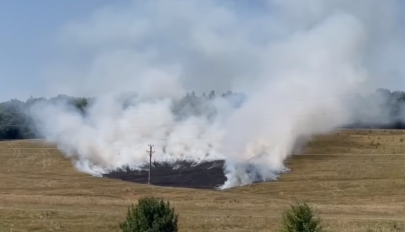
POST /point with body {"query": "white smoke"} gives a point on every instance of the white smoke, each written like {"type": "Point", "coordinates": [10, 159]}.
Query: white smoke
{"type": "Point", "coordinates": [288, 56]}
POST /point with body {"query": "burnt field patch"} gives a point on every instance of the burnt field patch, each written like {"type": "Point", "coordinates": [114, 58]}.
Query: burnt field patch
{"type": "Point", "coordinates": [185, 174]}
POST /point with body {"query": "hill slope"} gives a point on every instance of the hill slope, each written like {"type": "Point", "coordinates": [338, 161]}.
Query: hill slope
{"type": "Point", "coordinates": [355, 179]}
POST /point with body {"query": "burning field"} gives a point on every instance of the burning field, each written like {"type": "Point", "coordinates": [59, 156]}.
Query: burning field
{"type": "Point", "coordinates": [229, 86]}
{"type": "Point", "coordinates": [236, 87]}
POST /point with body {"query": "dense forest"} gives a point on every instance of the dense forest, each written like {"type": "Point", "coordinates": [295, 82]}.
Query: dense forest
{"type": "Point", "coordinates": [16, 124]}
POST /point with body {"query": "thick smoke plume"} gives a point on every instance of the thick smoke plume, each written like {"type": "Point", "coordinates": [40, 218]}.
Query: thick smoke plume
{"type": "Point", "coordinates": [299, 62]}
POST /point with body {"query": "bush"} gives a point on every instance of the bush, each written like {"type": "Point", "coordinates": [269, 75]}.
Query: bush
{"type": "Point", "coordinates": [300, 218]}
{"type": "Point", "coordinates": [150, 215]}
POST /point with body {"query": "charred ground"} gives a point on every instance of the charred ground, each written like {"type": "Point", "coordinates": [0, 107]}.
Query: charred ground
{"type": "Point", "coordinates": [185, 174]}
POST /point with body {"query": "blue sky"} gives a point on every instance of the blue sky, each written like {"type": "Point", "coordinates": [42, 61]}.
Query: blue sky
{"type": "Point", "coordinates": [27, 30]}
{"type": "Point", "coordinates": [29, 47]}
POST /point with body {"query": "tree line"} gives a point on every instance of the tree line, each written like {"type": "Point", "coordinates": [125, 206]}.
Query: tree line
{"type": "Point", "coordinates": [15, 122]}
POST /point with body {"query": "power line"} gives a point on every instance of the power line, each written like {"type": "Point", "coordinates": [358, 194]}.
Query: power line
{"type": "Point", "coordinates": [203, 137]}
{"type": "Point", "coordinates": [257, 104]}
{"type": "Point", "coordinates": [42, 140]}
{"type": "Point", "coordinates": [210, 123]}
{"type": "Point", "coordinates": [150, 160]}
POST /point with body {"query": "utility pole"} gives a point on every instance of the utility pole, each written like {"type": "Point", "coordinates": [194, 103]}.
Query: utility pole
{"type": "Point", "coordinates": [150, 160]}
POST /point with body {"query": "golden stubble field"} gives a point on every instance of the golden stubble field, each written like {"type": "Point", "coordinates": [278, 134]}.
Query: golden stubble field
{"type": "Point", "coordinates": [354, 179]}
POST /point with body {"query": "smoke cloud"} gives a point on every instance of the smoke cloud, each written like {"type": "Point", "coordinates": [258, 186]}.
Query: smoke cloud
{"type": "Point", "coordinates": [299, 62]}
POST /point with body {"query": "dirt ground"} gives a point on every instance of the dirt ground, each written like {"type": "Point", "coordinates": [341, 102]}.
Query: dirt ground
{"type": "Point", "coordinates": [354, 179]}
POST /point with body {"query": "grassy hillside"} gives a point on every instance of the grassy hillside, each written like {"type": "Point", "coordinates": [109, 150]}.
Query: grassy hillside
{"type": "Point", "coordinates": [354, 179]}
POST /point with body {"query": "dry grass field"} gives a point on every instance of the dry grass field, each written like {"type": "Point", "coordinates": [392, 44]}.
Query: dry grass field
{"type": "Point", "coordinates": [355, 180]}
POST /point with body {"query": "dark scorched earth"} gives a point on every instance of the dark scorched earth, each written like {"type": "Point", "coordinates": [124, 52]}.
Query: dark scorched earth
{"type": "Point", "coordinates": [206, 175]}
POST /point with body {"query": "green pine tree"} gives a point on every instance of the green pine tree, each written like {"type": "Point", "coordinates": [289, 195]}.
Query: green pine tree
{"type": "Point", "coordinates": [300, 218]}
{"type": "Point", "coordinates": [150, 215]}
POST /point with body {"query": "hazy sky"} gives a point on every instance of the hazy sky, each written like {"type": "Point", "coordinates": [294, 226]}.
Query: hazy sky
{"type": "Point", "coordinates": [28, 41]}
{"type": "Point", "coordinates": [31, 31]}
{"type": "Point", "coordinates": [27, 31]}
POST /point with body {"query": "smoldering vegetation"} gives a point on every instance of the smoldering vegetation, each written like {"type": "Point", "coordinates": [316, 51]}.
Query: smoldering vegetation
{"type": "Point", "coordinates": [188, 173]}
{"type": "Point", "coordinates": [185, 174]}
{"type": "Point", "coordinates": [141, 58]}
{"type": "Point", "coordinates": [391, 106]}
{"type": "Point", "coordinates": [16, 122]}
